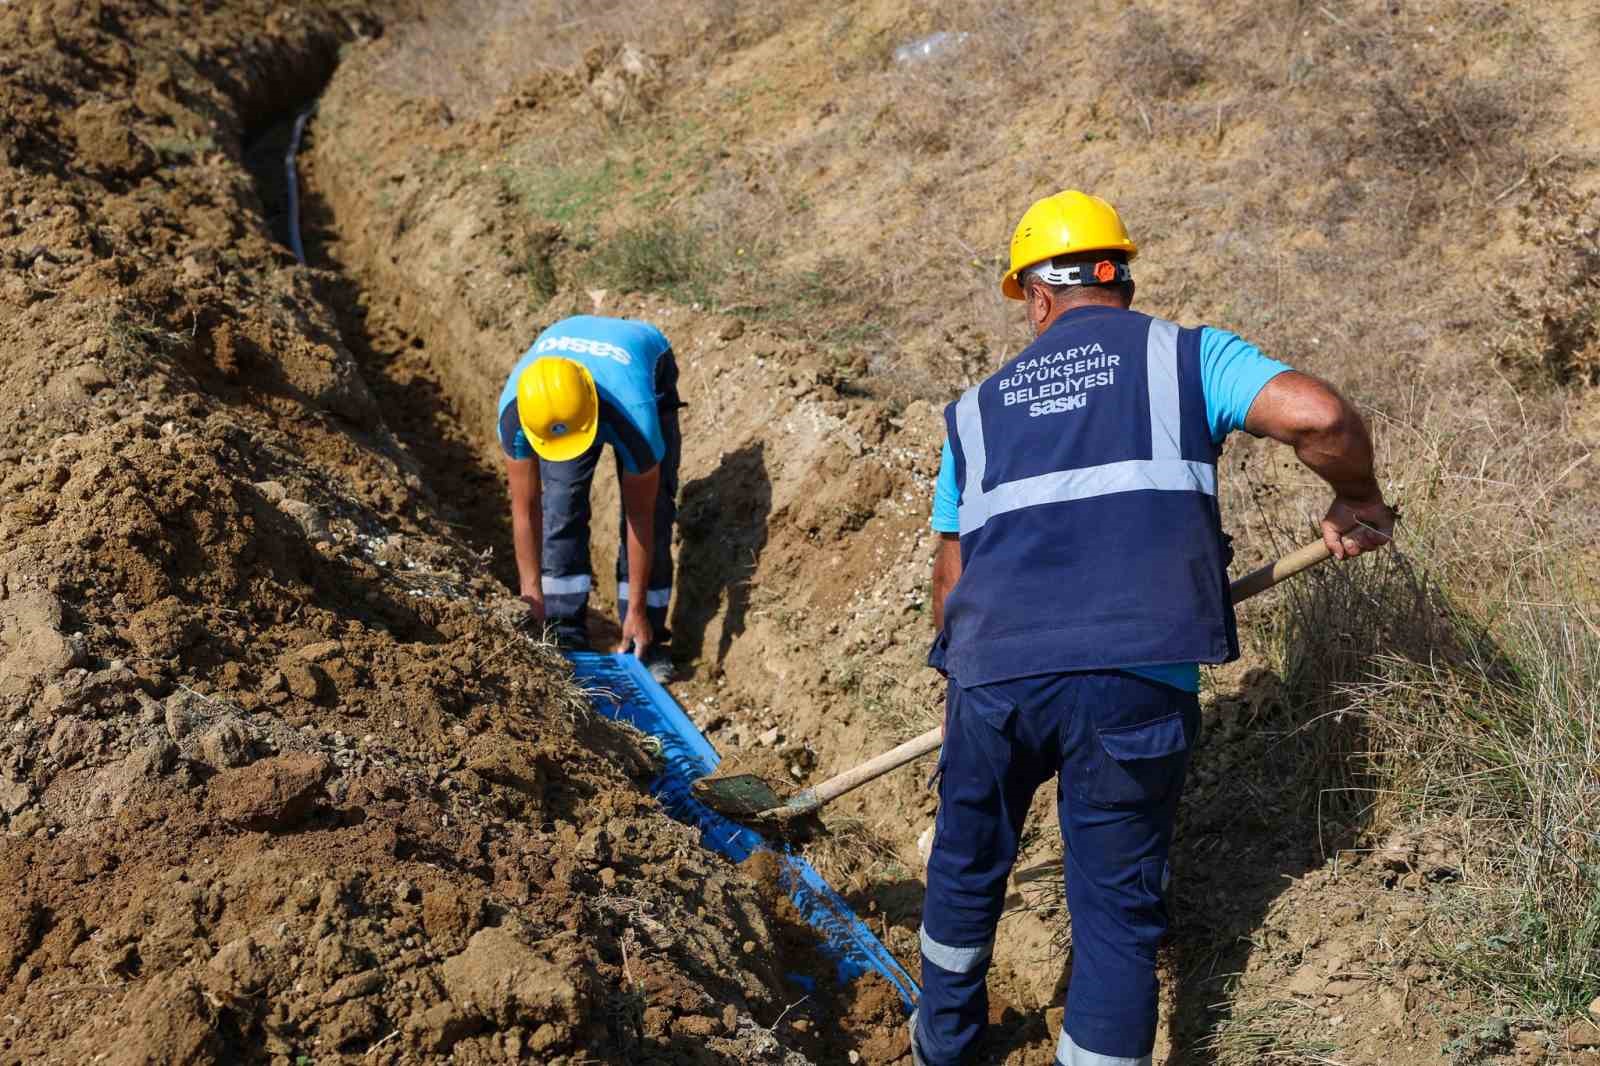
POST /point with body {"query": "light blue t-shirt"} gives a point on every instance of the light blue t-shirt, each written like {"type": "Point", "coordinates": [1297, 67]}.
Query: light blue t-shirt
{"type": "Point", "coordinates": [1232, 372]}
{"type": "Point", "coordinates": [622, 354]}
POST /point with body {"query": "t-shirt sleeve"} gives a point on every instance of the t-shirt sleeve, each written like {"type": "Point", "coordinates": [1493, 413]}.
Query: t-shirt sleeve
{"type": "Point", "coordinates": [1232, 372]}
{"type": "Point", "coordinates": [946, 499]}
{"type": "Point", "coordinates": [513, 441]}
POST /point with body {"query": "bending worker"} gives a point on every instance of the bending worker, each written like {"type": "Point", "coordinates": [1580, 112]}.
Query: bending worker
{"type": "Point", "coordinates": [588, 381]}
{"type": "Point", "coordinates": [1081, 579]}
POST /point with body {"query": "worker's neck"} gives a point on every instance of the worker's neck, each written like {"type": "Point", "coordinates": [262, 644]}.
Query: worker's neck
{"type": "Point", "coordinates": [1090, 298]}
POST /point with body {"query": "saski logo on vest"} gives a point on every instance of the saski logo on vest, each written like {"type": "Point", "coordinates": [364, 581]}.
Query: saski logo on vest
{"type": "Point", "coordinates": [584, 346]}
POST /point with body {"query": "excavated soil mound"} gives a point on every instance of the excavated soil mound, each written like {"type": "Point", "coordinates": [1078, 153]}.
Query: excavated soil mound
{"type": "Point", "coordinates": [282, 778]}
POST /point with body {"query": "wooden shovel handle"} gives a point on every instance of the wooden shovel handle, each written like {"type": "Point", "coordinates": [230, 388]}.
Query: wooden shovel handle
{"type": "Point", "coordinates": [1242, 589]}
{"type": "Point", "coordinates": [1269, 575]}
{"type": "Point", "coordinates": [915, 748]}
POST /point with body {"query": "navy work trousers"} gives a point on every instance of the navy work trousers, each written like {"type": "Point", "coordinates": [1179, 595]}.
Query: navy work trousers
{"type": "Point", "coordinates": [565, 573]}
{"type": "Point", "coordinates": [1118, 747]}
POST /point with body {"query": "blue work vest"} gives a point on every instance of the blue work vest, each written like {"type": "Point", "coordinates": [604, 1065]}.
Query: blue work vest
{"type": "Point", "coordinates": [1090, 535]}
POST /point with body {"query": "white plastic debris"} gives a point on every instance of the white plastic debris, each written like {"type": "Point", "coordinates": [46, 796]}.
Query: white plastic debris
{"type": "Point", "coordinates": [932, 46]}
{"type": "Point", "coordinates": [925, 844]}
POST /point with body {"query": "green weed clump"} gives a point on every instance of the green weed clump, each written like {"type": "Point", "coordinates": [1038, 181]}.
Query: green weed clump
{"type": "Point", "coordinates": [573, 194]}
{"type": "Point", "coordinates": [659, 255]}
{"type": "Point", "coordinates": [177, 147]}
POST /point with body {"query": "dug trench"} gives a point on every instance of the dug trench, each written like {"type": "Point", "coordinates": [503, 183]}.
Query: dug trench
{"type": "Point", "coordinates": [281, 780]}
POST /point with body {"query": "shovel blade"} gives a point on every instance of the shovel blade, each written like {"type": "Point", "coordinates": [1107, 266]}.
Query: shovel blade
{"type": "Point", "coordinates": [738, 796]}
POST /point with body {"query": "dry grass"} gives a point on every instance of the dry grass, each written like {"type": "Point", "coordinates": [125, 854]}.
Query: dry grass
{"type": "Point", "coordinates": [471, 53]}
{"type": "Point", "coordinates": [1272, 1031]}
{"type": "Point", "coordinates": [1452, 686]}
{"type": "Point", "coordinates": [853, 858]}
{"type": "Point", "coordinates": [1499, 732]}
{"type": "Point", "coordinates": [1332, 627]}
{"type": "Point", "coordinates": [892, 689]}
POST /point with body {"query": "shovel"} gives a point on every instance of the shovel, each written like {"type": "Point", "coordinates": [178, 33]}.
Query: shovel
{"type": "Point", "coordinates": [748, 798]}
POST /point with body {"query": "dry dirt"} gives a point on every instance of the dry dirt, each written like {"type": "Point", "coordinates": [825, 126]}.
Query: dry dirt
{"type": "Point", "coordinates": [282, 781]}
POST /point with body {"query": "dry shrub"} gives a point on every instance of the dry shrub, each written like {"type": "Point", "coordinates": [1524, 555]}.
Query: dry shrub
{"type": "Point", "coordinates": [1149, 59]}
{"type": "Point", "coordinates": [470, 52]}
{"type": "Point", "coordinates": [1424, 119]}
{"type": "Point", "coordinates": [1396, 106]}
{"type": "Point", "coordinates": [915, 118]}
{"type": "Point", "coordinates": [1556, 331]}
{"type": "Point", "coordinates": [1332, 626]}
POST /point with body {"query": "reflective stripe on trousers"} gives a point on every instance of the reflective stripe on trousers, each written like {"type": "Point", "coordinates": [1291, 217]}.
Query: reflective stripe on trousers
{"type": "Point", "coordinates": [565, 596]}
{"type": "Point", "coordinates": [1070, 1054]}
{"type": "Point", "coordinates": [653, 597]}
{"type": "Point", "coordinates": [954, 959]}
{"type": "Point", "coordinates": [1166, 470]}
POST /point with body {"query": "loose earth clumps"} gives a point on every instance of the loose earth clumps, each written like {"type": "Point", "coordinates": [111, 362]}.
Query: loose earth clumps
{"type": "Point", "coordinates": [280, 778]}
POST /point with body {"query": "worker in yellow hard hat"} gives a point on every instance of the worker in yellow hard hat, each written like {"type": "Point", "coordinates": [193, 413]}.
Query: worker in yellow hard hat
{"type": "Point", "coordinates": [588, 381]}
{"type": "Point", "coordinates": [1080, 581]}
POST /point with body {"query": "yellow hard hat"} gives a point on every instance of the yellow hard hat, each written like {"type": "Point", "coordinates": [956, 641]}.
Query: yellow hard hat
{"type": "Point", "coordinates": [1069, 221]}
{"type": "Point", "coordinates": [558, 408]}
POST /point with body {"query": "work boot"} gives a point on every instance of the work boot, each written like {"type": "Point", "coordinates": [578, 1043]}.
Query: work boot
{"type": "Point", "coordinates": [658, 661]}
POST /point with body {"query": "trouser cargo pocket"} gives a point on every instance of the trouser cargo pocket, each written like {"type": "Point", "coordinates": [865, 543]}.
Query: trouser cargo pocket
{"type": "Point", "coordinates": [1138, 765]}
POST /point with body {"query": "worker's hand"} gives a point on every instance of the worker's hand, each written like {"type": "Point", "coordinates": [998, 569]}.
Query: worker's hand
{"type": "Point", "coordinates": [636, 632]}
{"type": "Point", "coordinates": [535, 602]}
{"type": "Point", "coordinates": [1354, 526]}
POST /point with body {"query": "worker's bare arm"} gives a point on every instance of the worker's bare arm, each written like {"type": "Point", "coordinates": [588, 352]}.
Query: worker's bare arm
{"type": "Point", "coordinates": [639, 512]}
{"type": "Point", "coordinates": [1330, 437]}
{"type": "Point", "coordinates": [946, 572]}
{"type": "Point", "coordinates": [527, 529]}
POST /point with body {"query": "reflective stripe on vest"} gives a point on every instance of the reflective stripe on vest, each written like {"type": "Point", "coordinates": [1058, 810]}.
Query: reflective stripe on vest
{"type": "Point", "coordinates": [1165, 471]}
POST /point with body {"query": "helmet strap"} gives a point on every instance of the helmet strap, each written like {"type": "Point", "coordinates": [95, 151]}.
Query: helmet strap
{"type": "Point", "coordinates": [1098, 272]}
